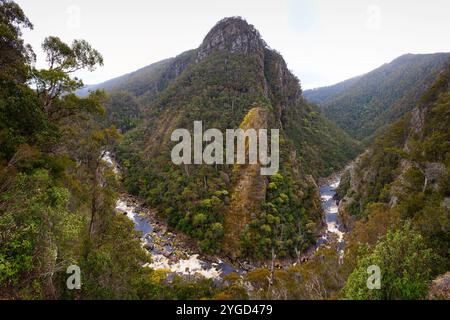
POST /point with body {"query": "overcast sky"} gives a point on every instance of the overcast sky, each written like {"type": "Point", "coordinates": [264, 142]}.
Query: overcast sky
{"type": "Point", "coordinates": [322, 41]}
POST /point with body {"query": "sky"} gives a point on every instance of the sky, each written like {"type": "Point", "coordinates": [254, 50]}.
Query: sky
{"type": "Point", "coordinates": [322, 41]}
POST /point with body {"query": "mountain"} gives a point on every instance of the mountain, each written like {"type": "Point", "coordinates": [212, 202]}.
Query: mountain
{"type": "Point", "coordinates": [233, 80]}
{"type": "Point", "coordinates": [146, 81]}
{"type": "Point", "coordinates": [365, 105]}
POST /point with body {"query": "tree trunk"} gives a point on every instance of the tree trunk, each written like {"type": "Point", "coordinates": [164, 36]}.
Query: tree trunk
{"type": "Point", "coordinates": [94, 207]}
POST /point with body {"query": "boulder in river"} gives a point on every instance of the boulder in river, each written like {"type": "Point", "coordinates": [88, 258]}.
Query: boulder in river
{"type": "Point", "coordinates": [167, 253]}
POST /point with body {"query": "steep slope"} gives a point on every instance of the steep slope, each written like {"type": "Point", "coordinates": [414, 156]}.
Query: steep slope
{"type": "Point", "coordinates": [405, 175]}
{"type": "Point", "coordinates": [235, 81]}
{"type": "Point", "coordinates": [365, 105]}
{"type": "Point", "coordinates": [324, 94]}
{"type": "Point", "coordinates": [148, 81]}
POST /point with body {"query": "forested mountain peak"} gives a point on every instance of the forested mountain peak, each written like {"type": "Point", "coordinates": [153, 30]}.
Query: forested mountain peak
{"type": "Point", "coordinates": [403, 179]}
{"type": "Point", "coordinates": [365, 105]}
{"type": "Point", "coordinates": [234, 79]}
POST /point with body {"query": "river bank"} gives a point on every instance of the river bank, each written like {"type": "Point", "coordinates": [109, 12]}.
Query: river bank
{"type": "Point", "coordinates": [170, 250]}
{"type": "Point", "coordinates": [176, 253]}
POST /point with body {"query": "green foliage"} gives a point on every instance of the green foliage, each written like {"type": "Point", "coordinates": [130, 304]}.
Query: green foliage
{"type": "Point", "coordinates": [34, 219]}
{"type": "Point", "coordinates": [14, 54]}
{"type": "Point", "coordinates": [402, 179]}
{"type": "Point", "coordinates": [322, 147]}
{"type": "Point", "coordinates": [406, 266]}
{"type": "Point", "coordinates": [63, 60]}
{"type": "Point", "coordinates": [284, 227]}
{"type": "Point", "coordinates": [123, 110]}
{"type": "Point", "coordinates": [57, 197]}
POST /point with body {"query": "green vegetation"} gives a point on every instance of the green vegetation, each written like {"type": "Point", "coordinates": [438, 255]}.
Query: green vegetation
{"type": "Point", "coordinates": [366, 105]}
{"type": "Point", "coordinates": [322, 147]}
{"type": "Point", "coordinates": [220, 90]}
{"type": "Point", "coordinates": [402, 186]}
{"type": "Point", "coordinates": [406, 265]}
{"type": "Point", "coordinates": [57, 196]}
{"type": "Point", "coordinates": [123, 111]}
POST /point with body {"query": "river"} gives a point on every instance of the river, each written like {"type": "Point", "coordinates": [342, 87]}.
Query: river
{"type": "Point", "coordinates": [166, 250]}
{"type": "Point", "coordinates": [170, 254]}
{"type": "Point", "coordinates": [330, 208]}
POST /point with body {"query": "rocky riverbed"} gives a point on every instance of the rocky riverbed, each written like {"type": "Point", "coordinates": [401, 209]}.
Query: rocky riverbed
{"type": "Point", "coordinates": [170, 251]}
{"type": "Point", "coordinates": [330, 207]}
{"type": "Point", "coordinates": [174, 252]}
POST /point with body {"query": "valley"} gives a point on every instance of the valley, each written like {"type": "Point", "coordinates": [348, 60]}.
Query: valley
{"type": "Point", "coordinates": [175, 253]}
{"type": "Point", "coordinates": [107, 180]}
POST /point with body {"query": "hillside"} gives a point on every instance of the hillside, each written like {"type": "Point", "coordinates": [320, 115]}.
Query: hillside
{"type": "Point", "coordinates": [365, 105]}
{"type": "Point", "coordinates": [148, 81]}
{"type": "Point", "coordinates": [234, 72]}
{"type": "Point", "coordinates": [402, 183]}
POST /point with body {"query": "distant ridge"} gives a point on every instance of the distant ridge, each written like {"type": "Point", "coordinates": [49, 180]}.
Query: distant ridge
{"type": "Point", "coordinates": [148, 80]}
{"type": "Point", "coordinates": [364, 105]}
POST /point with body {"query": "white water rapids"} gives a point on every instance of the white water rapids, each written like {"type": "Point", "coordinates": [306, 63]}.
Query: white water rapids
{"type": "Point", "coordinates": [330, 207]}
{"type": "Point", "coordinates": [163, 256]}
{"type": "Point", "coordinates": [158, 241]}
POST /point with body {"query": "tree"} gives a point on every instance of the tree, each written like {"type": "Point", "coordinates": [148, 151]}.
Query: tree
{"type": "Point", "coordinates": [15, 56]}
{"type": "Point", "coordinates": [55, 190]}
{"type": "Point", "coordinates": [37, 234]}
{"type": "Point", "coordinates": [63, 61]}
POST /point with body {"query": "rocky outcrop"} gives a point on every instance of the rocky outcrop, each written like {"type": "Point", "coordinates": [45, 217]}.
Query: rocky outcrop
{"type": "Point", "coordinates": [417, 120]}
{"type": "Point", "coordinates": [352, 181]}
{"type": "Point", "coordinates": [440, 288]}
{"type": "Point", "coordinates": [249, 190]}
{"type": "Point", "coordinates": [234, 35]}
{"type": "Point", "coordinates": [283, 87]}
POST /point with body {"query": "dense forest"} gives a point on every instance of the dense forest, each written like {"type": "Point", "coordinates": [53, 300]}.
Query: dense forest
{"type": "Point", "coordinates": [398, 192]}
{"type": "Point", "coordinates": [366, 105]}
{"type": "Point", "coordinates": [394, 204]}
{"type": "Point", "coordinates": [59, 193]}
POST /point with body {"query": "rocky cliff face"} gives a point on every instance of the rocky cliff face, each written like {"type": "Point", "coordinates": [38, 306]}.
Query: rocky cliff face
{"type": "Point", "coordinates": [440, 288]}
{"type": "Point", "coordinates": [234, 35]}
{"type": "Point", "coordinates": [283, 88]}
{"type": "Point", "coordinates": [248, 192]}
